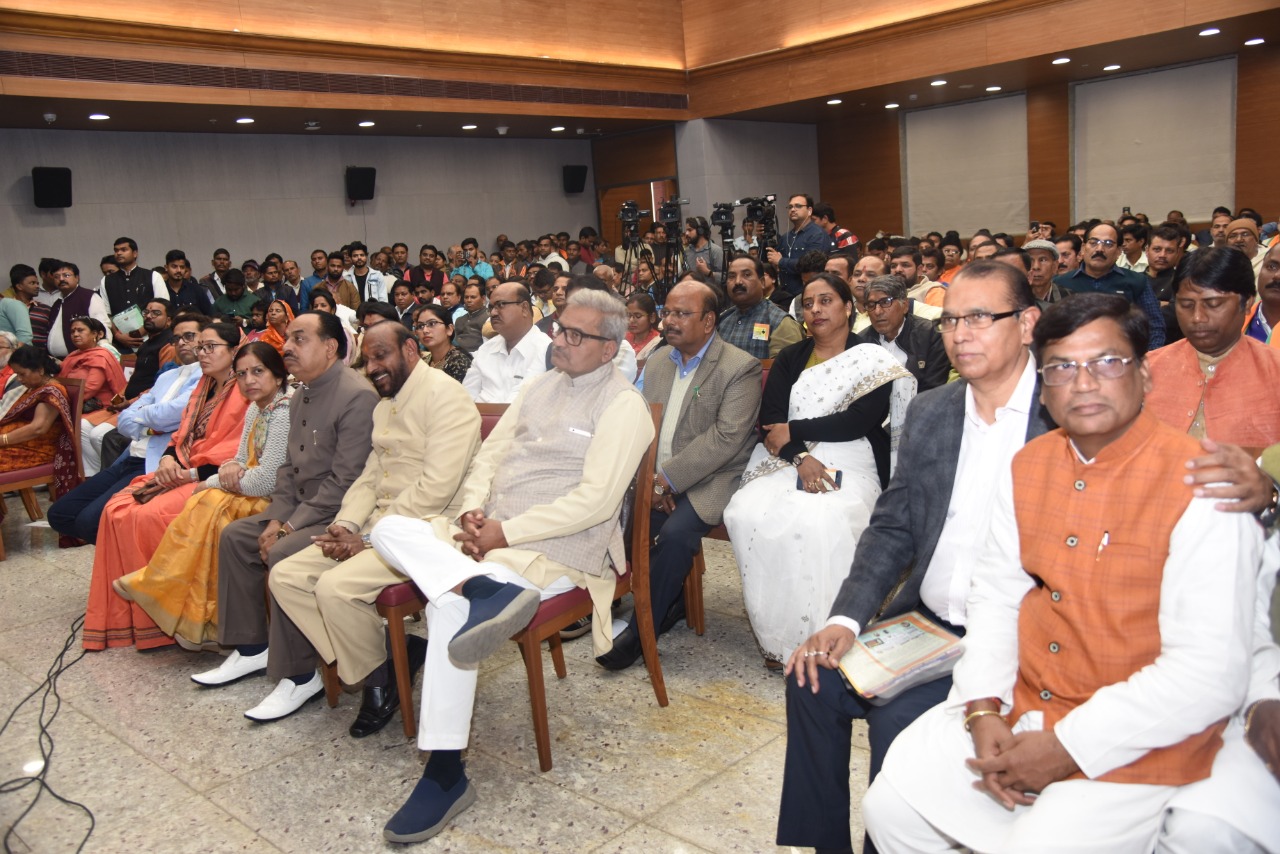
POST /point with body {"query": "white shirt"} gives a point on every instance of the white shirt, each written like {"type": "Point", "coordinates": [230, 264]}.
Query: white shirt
{"type": "Point", "coordinates": [894, 350]}
{"type": "Point", "coordinates": [986, 450]}
{"type": "Point", "coordinates": [496, 373]}
{"type": "Point", "coordinates": [1139, 266]}
{"type": "Point", "coordinates": [56, 345]}
{"type": "Point", "coordinates": [1206, 624]}
{"type": "Point", "coordinates": [158, 290]}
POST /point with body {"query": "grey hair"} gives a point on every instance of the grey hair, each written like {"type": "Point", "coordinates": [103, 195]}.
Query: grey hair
{"type": "Point", "coordinates": [13, 342]}
{"type": "Point", "coordinates": [890, 286]}
{"type": "Point", "coordinates": [613, 311]}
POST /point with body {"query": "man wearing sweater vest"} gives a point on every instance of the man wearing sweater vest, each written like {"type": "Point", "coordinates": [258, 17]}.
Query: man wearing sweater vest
{"type": "Point", "coordinates": [542, 502]}
{"type": "Point", "coordinates": [1101, 661]}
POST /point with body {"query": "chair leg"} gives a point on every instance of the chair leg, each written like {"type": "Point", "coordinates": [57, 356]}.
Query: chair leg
{"type": "Point", "coordinates": [29, 501]}
{"type": "Point", "coordinates": [532, 652]}
{"type": "Point", "coordinates": [332, 686]}
{"type": "Point", "coordinates": [649, 640]}
{"type": "Point", "coordinates": [2, 554]}
{"type": "Point", "coordinates": [400, 660]}
{"type": "Point", "coordinates": [557, 655]}
{"type": "Point", "coordinates": [695, 611]}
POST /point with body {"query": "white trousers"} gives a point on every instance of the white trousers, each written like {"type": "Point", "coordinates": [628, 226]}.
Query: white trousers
{"type": "Point", "coordinates": [91, 445]}
{"type": "Point", "coordinates": [924, 801]}
{"type": "Point", "coordinates": [437, 567]}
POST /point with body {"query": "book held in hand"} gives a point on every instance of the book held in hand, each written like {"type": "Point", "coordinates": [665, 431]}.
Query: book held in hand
{"type": "Point", "coordinates": [899, 653]}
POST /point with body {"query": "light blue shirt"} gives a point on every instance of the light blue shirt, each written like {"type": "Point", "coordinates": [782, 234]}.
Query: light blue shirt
{"type": "Point", "coordinates": [682, 367]}
{"type": "Point", "coordinates": [16, 318]}
{"type": "Point", "coordinates": [159, 411]}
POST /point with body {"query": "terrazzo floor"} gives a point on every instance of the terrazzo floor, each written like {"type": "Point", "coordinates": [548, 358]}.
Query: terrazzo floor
{"type": "Point", "coordinates": [167, 767]}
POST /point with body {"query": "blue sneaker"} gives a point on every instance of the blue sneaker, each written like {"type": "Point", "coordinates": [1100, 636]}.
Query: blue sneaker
{"type": "Point", "coordinates": [428, 810]}
{"type": "Point", "coordinates": [492, 621]}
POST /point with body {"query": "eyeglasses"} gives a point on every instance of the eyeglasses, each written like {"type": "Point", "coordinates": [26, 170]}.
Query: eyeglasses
{"type": "Point", "coordinates": [499, 303]}
{"type": "Point", "coordinates": [977, 320]}
{"type": "Point", "coordinates": [668, 313]}
{"type": "Point", "coordinates": [881, 303]}
{"type": "Point", "coordinates": [796, 207]}
{"type": "Point", "coordinates": [1101, 368]}
{"type": "Point", "coordinates": [210, 346]}
{"type": "Point", "coordinates": [574, 336]}
{"type": "Point", "coordinates": [430, 324]}
{"type": "Point", "coordinates": [1105, 244]}
{"type": "Point", "coordinates": [189, 336]}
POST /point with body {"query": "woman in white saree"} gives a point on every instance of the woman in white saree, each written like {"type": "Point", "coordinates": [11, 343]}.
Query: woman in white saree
{"type": "Point", "coordinates": [830, 405]}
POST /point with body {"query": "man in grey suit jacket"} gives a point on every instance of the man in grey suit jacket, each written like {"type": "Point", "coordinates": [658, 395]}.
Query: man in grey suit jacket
{"type": "Point", "coordinates": [916, 552]}
{"type": "Point", "coordinates": [710, 392]}
{"type": "Point", "coordinates": [330, 427]}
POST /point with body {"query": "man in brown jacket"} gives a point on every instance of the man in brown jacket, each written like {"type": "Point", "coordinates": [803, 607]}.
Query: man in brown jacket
{"type": "Point", "coordinates": [710, 393]}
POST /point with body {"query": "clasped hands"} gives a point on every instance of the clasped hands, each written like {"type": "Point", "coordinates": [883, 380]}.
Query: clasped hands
{"type": "Point", "coordinates": [1016, 767]}
{"type": "Point", "coordinates": [338, 542]}
{"type": "Point", "coordinates": [480, 535]}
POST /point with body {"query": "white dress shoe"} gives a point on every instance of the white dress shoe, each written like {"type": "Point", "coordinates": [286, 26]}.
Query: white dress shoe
{"type": "Point", "coordinates": [233, 668]}
{"type": "Point", "coordinates": [286, 699]}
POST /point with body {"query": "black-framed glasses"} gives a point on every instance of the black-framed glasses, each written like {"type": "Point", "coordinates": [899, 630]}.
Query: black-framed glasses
{"type": "Point", "coordinates": [1101, 368]}
{"type": "Point", "coordinates": [881, 303]}
{"type": "Point", "coordinates": [210, 346]}
{"type": "Point", "coordinates": [977, 320]}
{"type": "Point", "coordinates": [189, 336]}
{"type": "Point", "coordinates": [499, 303]}
{"type": "Point", "coordinates": [430, 324]}
{"type": "Point", "coordinates": [574, 336]}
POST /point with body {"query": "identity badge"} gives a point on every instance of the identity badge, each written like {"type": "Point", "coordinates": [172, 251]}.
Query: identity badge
{"type": "Point", "coordinates": [760, 332]}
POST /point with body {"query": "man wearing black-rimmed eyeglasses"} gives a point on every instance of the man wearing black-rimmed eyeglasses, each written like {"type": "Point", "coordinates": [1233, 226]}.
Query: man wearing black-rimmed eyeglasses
{"type": "Point", "coordinates": [515, 353]}
{"type": "Point", "coordinates": [1099, 274]}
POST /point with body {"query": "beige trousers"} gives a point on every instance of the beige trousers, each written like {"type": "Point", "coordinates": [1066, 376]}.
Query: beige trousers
{"type": "Point", "coordinates": [333, 604]}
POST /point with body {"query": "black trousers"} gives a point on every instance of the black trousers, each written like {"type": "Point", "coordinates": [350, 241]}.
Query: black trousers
{"type": "Point", "coordinates": [815, 781]}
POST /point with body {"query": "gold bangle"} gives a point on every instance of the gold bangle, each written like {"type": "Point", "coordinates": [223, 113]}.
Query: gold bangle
{"type": "Point", "coordinates": [1248, 716]}
{"type": "Point", "coordinates": [969, 718]}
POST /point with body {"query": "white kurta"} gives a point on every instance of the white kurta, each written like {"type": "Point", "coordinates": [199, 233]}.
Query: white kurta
{"type": "Point", "coordinates": [1206, 623]}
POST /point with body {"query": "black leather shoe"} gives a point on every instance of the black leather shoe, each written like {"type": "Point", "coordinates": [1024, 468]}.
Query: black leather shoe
{"type": "Point", "coordinates": [379, 705]}
{"type": "Point", "coordinates": [674, 615]}
{"type": "Point", "coordinates": [626, 649]}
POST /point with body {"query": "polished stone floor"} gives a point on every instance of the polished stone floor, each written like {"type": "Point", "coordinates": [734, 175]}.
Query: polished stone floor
{"type": "Point", "coordinates": [167, 767]}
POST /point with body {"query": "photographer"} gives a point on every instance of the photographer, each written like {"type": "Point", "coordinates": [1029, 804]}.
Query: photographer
{"type": "Point", "coordinates": [700, 254]}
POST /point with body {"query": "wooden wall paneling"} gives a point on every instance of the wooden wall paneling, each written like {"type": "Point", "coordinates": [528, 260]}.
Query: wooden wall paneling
{"type": "Point", "coordinates": [1049, 154]}
{"type": "Point", "coordinates": [860, 173]}
{"type": "Point", "coordinates": [630, 158]}
{"type": "Point", "coordinates": [1257, 129]}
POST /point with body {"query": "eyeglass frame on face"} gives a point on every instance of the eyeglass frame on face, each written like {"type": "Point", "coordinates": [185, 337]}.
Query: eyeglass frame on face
{"type": "Point", "coordinates": [499, 303]}
{"type": "Point", "coordinates": [872, 305]}
{"type": "Point", "coordinates": [571, 333]}
{"type": "Point", "coordinates": [948, 322]}
{"type": "Point", "coordinates": [208, 347]}
{"type": "Point", "coordinates": [1101, 241]}
{"type": "Point", "coordinates": [800, 206]}
{"type": "Point", "coordinates": [1056, 369]}
{"type": "Point", "coordinates": [189, 336]}
{"type": "Point", "coordinates": [679, 314]}
{"type": "Point", "coordinates": [429, 324]}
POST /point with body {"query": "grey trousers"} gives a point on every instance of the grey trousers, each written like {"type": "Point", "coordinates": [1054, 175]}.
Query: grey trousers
{"type": "Point", "coordinates": [242, 596]}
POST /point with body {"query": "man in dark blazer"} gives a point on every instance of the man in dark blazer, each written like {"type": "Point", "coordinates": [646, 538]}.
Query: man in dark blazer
{"type": "Point", "coordinates": [913, 341]}
{"type": "Point", "coordinates": [330, 436]}
{"type": "Point", "coordinates": [955, 441]}
{"type": "Point", "coordinates": [710, 392]}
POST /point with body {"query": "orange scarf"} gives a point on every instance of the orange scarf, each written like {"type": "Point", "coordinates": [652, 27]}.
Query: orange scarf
{"type": "Point", "coordinates": [269, 335]}
{"type": "Point", "coordinates": [211, 424]}
{"type": "Point", "coordinates": [80, 364]}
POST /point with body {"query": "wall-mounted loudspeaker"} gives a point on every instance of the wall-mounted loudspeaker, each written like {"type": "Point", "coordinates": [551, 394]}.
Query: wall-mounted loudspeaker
{"type": "Point", "coordinates": [51, 186]}
{"type": "Point", "coordinates": [360, 183]}
{"type": "Point", "coordinates": [575, 179]}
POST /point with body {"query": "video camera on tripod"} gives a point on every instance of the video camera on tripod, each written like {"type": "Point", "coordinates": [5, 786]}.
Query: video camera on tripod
{"type": "Point", "coordinates": [761, 210]}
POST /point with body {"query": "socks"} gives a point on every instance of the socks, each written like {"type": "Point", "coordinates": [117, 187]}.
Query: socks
{"type": "Point", "coordinates": [480, 587]}
{"type": "Point", "coordinates": [250, 649]}
{"type": "Point", "coordinates": [303, 679]}
{"type": "Point", "coordinates": [444, 767]}
{"type": "Point", "coordinates": [377, 678]}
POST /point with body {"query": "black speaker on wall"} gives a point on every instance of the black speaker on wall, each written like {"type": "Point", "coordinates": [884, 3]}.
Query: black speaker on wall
{"type": "Point", "coordinates": [360, 183]}
{"type": "Point", "coordinates": [575, 179]}
{"type": "Point", "coordinates": [51, 186]}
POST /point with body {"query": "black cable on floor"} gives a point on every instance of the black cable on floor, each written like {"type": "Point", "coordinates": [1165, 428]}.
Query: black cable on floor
{"type": "Point", "coordinates": [50, 704]}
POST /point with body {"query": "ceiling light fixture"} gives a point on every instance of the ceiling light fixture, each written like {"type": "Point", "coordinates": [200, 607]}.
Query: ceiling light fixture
{"type": "Point", "coordinates": [245, 121]}
{"type": "Point", "coordinates": [1110, 68]}
{"type": "Point", "coordinates": [366, 124]}
{"type": "Point", "coordinates": [557, 129]}
{"type": "Point", "coordinates": [1255, 42]}
{"type": "Point", "coordinates": [468, 127]}
{"type": "Point", "coordinates": [1062, 60]}
{"type": "Point", "coordinates": [834, 101]}
{"type": "Point", "coordinates": [99, 117]}
{"type": "Point", "coordinates": [993, 88]}
{"type": "Point", "coordinates": [938, 83]}
{"type": "Point", "coordinates": [1211, 31]}
{"type": "Point", "coordinates": [891, 106]}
